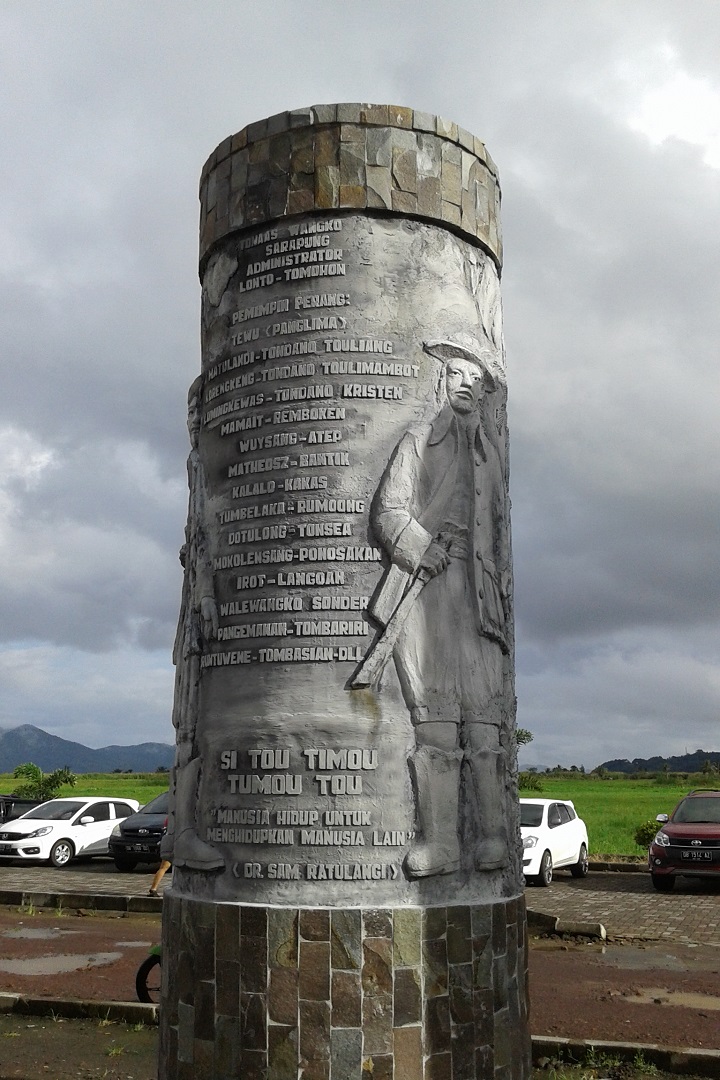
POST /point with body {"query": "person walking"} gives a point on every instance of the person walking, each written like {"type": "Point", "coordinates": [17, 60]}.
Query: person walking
{"type": "Point", "coordinates": [159, 875]}
{"type": "Point", "coordinates": [161, 871]}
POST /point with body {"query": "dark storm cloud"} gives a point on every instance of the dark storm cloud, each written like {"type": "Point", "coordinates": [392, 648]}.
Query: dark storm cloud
{"type": "Point", "coordinates": [610, 287]}
{"type": "Point", "coordinates": [86, 550]}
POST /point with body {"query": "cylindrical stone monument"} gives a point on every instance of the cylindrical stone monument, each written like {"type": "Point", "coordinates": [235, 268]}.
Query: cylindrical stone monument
{"type": "Point", "coordinates": [347, 897]}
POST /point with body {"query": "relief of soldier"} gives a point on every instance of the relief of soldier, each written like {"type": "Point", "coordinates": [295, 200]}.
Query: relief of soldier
{"type": "Point", "coordinates": [441, 515]}
{"type": "Point", "coordinates": [197, 625]}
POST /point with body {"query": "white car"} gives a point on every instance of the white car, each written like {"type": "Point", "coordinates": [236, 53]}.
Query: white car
{"type": "Point", "coordinates": [58, 830]}
{"type": "Point", "coordinates": [553, 836]}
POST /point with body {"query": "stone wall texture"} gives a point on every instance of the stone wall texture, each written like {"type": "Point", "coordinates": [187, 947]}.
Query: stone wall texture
{"type": "Point", "coordinates": [352, 156]}
{"type": "Point", "coordinates": [344, 994]}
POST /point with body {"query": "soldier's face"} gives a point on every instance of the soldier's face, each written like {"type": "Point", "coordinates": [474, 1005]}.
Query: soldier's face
{"type": "Point", "coordinates": [464, 382]}
{"type": "Point", "coordinates": [193, 419]}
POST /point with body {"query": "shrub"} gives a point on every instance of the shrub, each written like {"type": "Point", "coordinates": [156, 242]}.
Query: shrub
{"type": "Point", "coordinates": [528, 781]}
{"type": "Point", "coordinates": [645, 833]}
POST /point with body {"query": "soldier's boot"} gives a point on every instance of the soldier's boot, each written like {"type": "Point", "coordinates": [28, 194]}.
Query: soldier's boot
{"type": "Point", "coordinates": [187, 847]}
{"type": "Point", "coordinates": [436, 779]}
{"type": "Point", "coordinates": [487, 771]}
{"type": "Point", "coordinates": [167, 841]}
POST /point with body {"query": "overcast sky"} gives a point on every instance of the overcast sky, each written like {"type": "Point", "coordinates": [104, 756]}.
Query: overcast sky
{"type": "Point", "coordinates": [604, 120]}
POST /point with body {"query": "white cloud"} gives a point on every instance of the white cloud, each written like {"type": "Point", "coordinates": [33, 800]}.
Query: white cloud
{"type": "Point", "coordinates": [23, 459]}
{"type": "Point", "coordinates": [679, 105]}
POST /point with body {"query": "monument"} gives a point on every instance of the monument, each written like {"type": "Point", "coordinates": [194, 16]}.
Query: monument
{"type": "Point", "coordinates": [347, 898]}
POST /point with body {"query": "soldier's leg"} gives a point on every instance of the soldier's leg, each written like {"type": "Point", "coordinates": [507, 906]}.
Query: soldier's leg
{"type": "Point", "coordinates": [435, 774]}
{"type": "Point", "coordinates": [425, 660]}
{"type": "Point", "coordinates": [486, 758]}
{"type": "Point", "coordinates": [484, 706]}
{"type": "Point", "coordinates": [184, 733]}
{"type": "Point", "coordinates": [188, 849]}
{"type": "Point", "coordinates": [182, 844]}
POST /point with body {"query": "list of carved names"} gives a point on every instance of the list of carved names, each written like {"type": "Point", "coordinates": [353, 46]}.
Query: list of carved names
{"type": "Point", "coordinates": [286, 405]}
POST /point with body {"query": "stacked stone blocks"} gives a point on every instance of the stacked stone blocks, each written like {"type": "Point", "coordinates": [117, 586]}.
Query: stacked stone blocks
{"type": "Point", "coordinates": [345, 994]}
{"type": "Point", "coordinates": [350, 157]}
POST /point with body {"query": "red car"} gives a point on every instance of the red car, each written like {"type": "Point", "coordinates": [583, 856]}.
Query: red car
{"type": "Point", "coordinates": [688, 844]}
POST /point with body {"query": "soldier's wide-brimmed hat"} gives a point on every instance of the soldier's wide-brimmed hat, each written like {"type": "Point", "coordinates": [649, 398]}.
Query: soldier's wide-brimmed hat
{"type": "Point", "coordinates": [464, 346]}
{"type": "Point", "coordinates": [195, 388]}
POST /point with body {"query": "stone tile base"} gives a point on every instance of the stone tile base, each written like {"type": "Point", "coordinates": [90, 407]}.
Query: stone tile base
{"type": "Point", "coordinates": [343, 994]}
{"type": "Point", "coordinates": [351, 157]}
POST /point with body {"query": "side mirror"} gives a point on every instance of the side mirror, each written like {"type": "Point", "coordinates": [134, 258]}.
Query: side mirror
{"type": "Point", "coordinates": [87, 820]}
{"type": "Point", "coordinates": [662, 817]}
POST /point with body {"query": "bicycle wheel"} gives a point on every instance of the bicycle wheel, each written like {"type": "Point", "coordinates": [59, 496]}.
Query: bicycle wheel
{"type": "Point", "coordinates": [147, 980]}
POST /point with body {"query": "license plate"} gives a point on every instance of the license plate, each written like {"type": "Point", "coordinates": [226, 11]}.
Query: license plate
{"type": "Point", "coordinates": [5, 849]}
{"type": "Point", "coordinates": [697, 856]}
{"type": "Point", "coordinates": [140, 847]}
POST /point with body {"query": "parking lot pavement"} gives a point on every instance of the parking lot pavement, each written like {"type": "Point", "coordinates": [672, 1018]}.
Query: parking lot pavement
{"type": "Point", "coordinates": [628, 906]}
{"type": "Point", "coordinates": [92, 878]}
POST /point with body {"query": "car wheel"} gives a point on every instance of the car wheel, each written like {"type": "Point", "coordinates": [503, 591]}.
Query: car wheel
{"type": "Point", "coordinates": [663, 882]}
{"type": "Point", "coordinates": [124, 865]}
{"type": "Point", "coordinates": [545, 876]}
{"type": "Point", "coordinates": [147, 980]}
{"type": "Point", "coordinates": [61, 853]}
{"type": "Point", "coordinates": [580, 868]}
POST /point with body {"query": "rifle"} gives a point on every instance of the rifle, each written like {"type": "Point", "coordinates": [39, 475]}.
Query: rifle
{"type": "Point", "coordinates": [372, 667]}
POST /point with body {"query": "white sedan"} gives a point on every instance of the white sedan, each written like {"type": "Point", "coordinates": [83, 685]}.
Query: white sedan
{"type": "Point", "coordinates": [58, 830]}
{"type": "Point", "coordinates": [553, 836]}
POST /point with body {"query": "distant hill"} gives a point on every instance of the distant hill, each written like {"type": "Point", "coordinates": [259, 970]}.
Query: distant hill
{"type": "Point", "coordinates": [682, 763]}
{"type": "Point", "coordinates": [29, 743]}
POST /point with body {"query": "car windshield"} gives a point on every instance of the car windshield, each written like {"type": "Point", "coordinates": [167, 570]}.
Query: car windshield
{"type": "Point", "coordinates": [55, 811]}
{"type": "Point", "coordinates": [531, 815]}
{"type": "Point", "coordinates": [697, 810]}
{"type": "Point", "coordinates": [158, 805]}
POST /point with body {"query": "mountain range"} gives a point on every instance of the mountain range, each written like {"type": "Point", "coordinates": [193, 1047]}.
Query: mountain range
{"type": "Point", "coordinates": [681, 763]}
{"type": "Point", "coordinates": [28, 743]}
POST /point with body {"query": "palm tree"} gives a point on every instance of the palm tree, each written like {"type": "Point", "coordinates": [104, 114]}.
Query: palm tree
{"type": "Point", "coordinates": [40, 785]}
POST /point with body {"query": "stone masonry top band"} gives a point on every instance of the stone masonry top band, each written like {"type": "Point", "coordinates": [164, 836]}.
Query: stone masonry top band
{"type": "Point", "coordinates": [350, 157]}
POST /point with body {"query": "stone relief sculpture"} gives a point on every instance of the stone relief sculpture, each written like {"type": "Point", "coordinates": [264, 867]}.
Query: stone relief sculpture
{"type": "Point", "coordinates": [197, 624]}
{"type": "Point", "coordinates": [440, 512]}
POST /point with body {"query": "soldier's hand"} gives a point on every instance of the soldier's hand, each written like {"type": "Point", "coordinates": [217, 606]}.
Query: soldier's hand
{"type": "Point", "coordinates": [435, 559]}
{"type": "Point", "coordinates": [209, 616]}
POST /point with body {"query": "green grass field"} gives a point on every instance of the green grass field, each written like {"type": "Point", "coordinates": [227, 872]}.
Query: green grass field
{"type": "Point", "coordinates": [140, 786]}
{"type": "Point", "coordinates": [613, 809]}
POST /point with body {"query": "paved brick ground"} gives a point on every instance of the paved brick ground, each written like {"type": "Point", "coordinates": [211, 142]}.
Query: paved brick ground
{"type": "Point", "coordinates": [625, 903]}
{"type": "Point", "coordinates": [628, 906]}
{"type": "Point", "coordinates": [94, 877]}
